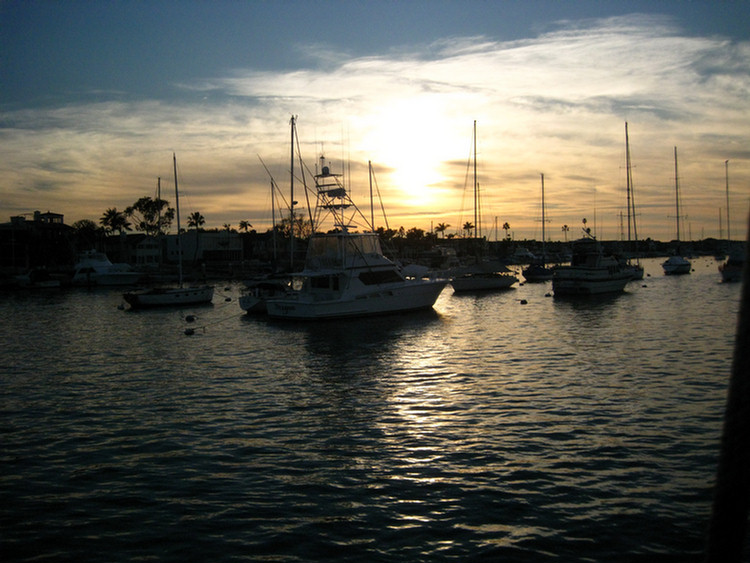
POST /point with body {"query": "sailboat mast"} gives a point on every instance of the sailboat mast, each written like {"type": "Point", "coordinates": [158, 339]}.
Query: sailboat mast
{"type": "Point", "coordinates": [291, 192]}
{"type": "Point", "coordinates": [726, 175]}
{"type": "Point", "coordinates": [629, 178]}
{"type": "Point", "coordinates": [177, 206]}
{"type": "Point", "coordinates": [372, 208]}
{"type": "Point", "coordinates": [273, 224]}
{"type": "Point", "coordinates": [543, 218]}
{"type": "Point", "coordinates": [476, 186]}
{"type": "Point", "coordinates": [676, 195]}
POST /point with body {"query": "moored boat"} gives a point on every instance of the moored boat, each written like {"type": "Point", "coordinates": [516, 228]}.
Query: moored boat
{"type": "Point", "coordinates": [484, 277]}
{"type": "Point", "coordinates": [346, 273]}
{"type": "Point", "coordinates": [94, 268]}
{"type": "Point", "coordinates": [590, 272]}
{"type": "Point", "coordinates": [538, 271]}
{"type": "Point", "coordinates": [731, 270]}
{"type": "Point", "coordinates": [676, 265]}
{"type": "Point", "coordinates": [171, 296]}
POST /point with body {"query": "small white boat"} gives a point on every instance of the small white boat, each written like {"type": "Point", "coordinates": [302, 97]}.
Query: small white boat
{"type": "Point", "coordinates": [590, 272]}
{"type": "Point", "coordinates": [538, 271]}
{"type": "Point", "coordinates": [635, 269]}
{"type": "Point", "coordinates": [676, 265]}
{"type": "Point", "coordinates": [483, 277]}
{"type": "Point", "coordinates": [94, 268]}
{"type": "Point", "coordinates": [170, 296]}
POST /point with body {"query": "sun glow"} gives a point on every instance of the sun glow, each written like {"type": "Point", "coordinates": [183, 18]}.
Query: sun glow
{"type": "Point", "coordinates": [411, 139]}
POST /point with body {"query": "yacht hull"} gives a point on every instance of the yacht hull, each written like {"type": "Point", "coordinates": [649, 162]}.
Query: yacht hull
{"type": "Point", "coordinates": [409, 296]}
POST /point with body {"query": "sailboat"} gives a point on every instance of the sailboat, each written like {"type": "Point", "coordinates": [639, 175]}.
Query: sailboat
{"type": "Point", "coordinates": [537, 271]}
{"type": "Point", "coordinates": [676, 265]}
{"type": "Point", "coordinates": [164, 296]}
{"type": "Point", "coordinates": [635, 270]}
{"type": "Point", "coordinates": [483, 275]}
{"type": "Point", "coordinates": [731, 270]}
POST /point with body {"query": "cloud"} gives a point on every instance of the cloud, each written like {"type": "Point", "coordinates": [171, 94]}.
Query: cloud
{"type": "Point", "coordinates": [555, 103]}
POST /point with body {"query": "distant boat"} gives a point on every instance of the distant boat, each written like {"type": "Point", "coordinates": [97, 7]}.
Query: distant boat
{"type": "Point", "coordinates": [483, 275]}
{"type": "Point", "coordinates": [537, 271]}
{"type": "Point", "coordinates": [346, 273]}
{"type": "Point", "coordinates": [676, 265]}
{"type": "Point", "coordinates": [635, 269]}
{"type": "Point", "coordinates": [166, 296]}
{"type": "Point", "coordinates": [93, 268]}
{"type": "Point", "coordinates": [590, 272]}
{"type": "Point", "coordinates": [731, 270]}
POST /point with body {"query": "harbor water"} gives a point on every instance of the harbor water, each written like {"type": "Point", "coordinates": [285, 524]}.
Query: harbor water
{"type": "Point", "coordinates": [510, 426]}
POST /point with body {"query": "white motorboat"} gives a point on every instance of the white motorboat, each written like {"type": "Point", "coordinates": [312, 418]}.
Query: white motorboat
{"type": "Point", "coordinates": [93, 268]}
{"type": "Point", "coordinates": [590, 271]}
{"type": "Point", "coordinates": [170, 296]}
{"type": "Point", "coordinates": [676, 265]}
{"type": "Point", "coordinates": [346, 273]}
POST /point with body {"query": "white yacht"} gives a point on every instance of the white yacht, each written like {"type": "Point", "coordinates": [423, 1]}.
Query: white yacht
{"type": "Point", "coordinates": [346, 273]}
{"type": "Point", "coordinates": [94, 268]}
{"type": "Point", "coordinates": [590, 271]}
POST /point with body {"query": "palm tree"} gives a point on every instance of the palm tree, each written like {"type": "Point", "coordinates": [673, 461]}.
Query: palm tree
{"type": "Point", "coordinates": [506, 228]}
{"type": "Point", "coordinates": [441, 228]}
{"type": "Point", "coordinates": [245, 225]}
{"type": "Point", "coordinates": [114, 220]}
{"type": "Point", "coordinates": [195, 219]}
{"type": "Point", "coordinates": [468, 226]}
{"type": "Point", "coordinates": [565, 230]}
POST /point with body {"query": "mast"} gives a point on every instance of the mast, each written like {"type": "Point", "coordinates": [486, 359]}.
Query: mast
{"type": "Point", "coordinates": [476, 186]}
{"type": "Point", "coordinates": [676, 195]}
{"type": "Point", "coordinates": [543, 219]}
{"type": "Point", "coordinates": [177, 206]}
{"type": "Point", "coordinates": [273, 225]}
{"type": "Point", "coordinates": [726, 174]}
{"type": "Point", "coordinates": [629, 178]}
{"type": "Point", "coordinates": [291, 191]}
{"type": "Point", "coordinates": [372, 209]}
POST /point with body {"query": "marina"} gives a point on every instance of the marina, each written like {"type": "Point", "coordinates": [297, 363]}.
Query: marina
{"type": "Point", "coordinates": [509, 426]}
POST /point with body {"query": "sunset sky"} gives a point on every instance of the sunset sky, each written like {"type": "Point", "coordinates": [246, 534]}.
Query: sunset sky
{"type": "Point", "coordinates": [96, 96]}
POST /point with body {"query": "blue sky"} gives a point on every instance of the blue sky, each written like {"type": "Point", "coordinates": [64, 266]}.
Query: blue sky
{"type": "Point", "coordinates": [95, 96]}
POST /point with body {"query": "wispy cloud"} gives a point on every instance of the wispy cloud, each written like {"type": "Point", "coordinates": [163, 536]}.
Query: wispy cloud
{"type": "Point", "coordinates": [555, 103]}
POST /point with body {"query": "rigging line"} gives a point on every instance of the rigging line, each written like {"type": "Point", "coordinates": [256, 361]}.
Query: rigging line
{"type": "Point", "coordinates": [380, 198]}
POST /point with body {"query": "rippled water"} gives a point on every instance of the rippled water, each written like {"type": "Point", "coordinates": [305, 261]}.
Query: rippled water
{"type": "Point", "coordinates": [486, 429]}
